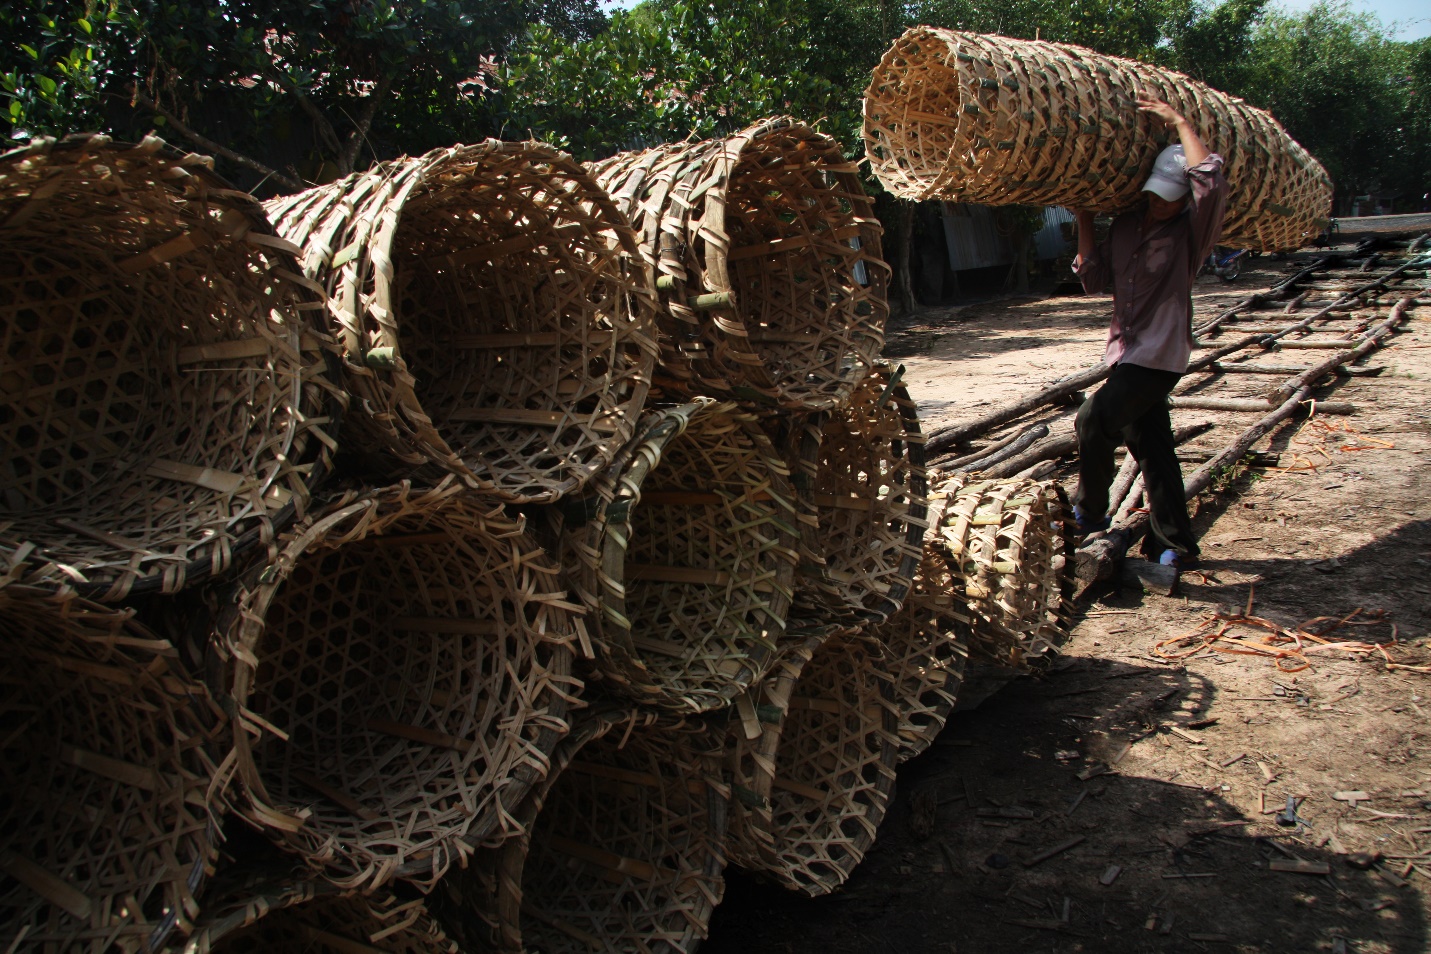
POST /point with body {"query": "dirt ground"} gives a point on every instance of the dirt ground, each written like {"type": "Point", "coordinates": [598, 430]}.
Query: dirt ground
{"type": "Point", "coordinates": [1169, 773]}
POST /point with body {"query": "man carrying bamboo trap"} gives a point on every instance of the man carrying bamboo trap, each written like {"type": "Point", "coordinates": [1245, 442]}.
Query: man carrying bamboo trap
{"type": "Point", "coordinates": [1150, 259]}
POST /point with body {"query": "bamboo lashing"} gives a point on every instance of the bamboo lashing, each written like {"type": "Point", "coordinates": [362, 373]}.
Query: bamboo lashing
{"type": "Point", "coordinates": [168, 403]}
{"type": "Point", "coordinates": [989, 119]}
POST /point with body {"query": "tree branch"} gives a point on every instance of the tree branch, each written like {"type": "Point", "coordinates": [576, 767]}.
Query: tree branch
{"type": "Point", "coordinates": [348, 158]}
{"type": "Point", "coordinates": [206, 143]}
{"type": "Point", "coordinates": [325, 126]}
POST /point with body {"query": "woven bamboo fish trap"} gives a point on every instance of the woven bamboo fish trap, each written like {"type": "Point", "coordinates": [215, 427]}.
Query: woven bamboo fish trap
{"type": "Point", "coordinates": [811, 755]}
{"type": "Point", "coordinates": [867, 493]}
{"type": "Point", "coordinates": [1005, 541]}
{"type": "Point", "coordinates": [110, 775]}
{"type": "Point", "coordinates": [166, 399]}
{"type": "Point", "coordinates": [402, 672]}
{"type": "Point", "coordinates": [495, 317]}
{"type": "Point", "coordinates": [314, 917]}
{"type": "Point", "coordinates": [622, 851]}
{"type": "Point", "coordinates": [688, 561]}
{"type": "Point", "coordinates": [990, 119]}
{"type": "Point", "coordinates": [927, 647]}
{"type": "Point", "coordinates": [768, 261]}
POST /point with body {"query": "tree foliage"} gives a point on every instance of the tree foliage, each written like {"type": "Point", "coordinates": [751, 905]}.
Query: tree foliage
{"type": "Point", "coordinates": [304, 90]}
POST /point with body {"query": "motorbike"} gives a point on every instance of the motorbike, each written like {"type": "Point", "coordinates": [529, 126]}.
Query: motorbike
{"type": "Point", "coordinates": [1226, 264]}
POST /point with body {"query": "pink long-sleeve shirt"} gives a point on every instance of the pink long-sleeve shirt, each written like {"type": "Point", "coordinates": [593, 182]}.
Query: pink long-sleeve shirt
{"type": "Point", "coordinates": [1151, 269]}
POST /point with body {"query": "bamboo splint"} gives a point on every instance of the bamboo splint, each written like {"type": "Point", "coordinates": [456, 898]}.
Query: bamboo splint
{"type": "Point", "coordinates": [402, 674]}
{"type": "Point", "coordinates": [926, 646]}
{"type": "Point", "coordinates": [995, 120]}
{"type": "Point", "coordinates": [811, 755]}
{"type": "Point", "coordinates": [1004, 539]}
{"type": "Point", "coordinates": [685, 558]}
{"type": "Point", "coordinates": [859, 475]}
{"type": "Point", "coordinates": [168, 402]}
{"type": "Point", "coordinates": [113, 780]}
{"type": "Point", "coordinates": [768, 257]}
{"type": "Point", "coordinates": [621, 847]}
{"type": "Point", "coordinates": [301, 916]}
{"type": "Point", "coordinates": [495, 318]}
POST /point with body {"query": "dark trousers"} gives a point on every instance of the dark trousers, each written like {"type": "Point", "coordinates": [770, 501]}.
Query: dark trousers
{"type": "Point", "coordinates": [1131, 408]}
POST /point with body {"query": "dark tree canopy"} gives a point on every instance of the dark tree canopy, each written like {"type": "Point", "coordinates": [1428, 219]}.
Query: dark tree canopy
{"type": "Point", "coordinates": [299, 91]}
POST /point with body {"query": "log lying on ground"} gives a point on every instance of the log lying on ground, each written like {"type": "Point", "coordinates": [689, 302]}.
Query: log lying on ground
{"type": "Point", "coordinates": [1253, 404]}
{"type": "Point", "coordinates": [1003, 450]}
{"type": "Point", "coordinates": [1100, 558]}
{"type": "Point", "coordinates": [1056, 447]}
{"type": "Point", "coordinates": [947, 438]}
{"type": "Point", "coordinates": [998, 445]}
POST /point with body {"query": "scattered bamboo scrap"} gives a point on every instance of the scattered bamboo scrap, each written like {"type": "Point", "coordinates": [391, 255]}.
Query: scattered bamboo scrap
{"type": "Point", "coordinates": [1287, 646]}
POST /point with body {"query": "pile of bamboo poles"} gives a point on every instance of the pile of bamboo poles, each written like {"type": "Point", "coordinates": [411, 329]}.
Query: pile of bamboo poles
{"type": "Point", "coordinates": [519, 632]}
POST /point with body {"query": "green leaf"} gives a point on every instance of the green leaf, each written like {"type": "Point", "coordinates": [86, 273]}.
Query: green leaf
{"type": "Point", "coordinates": [84, 25]}
{"type": "Point", "coordinates": [34, 55]}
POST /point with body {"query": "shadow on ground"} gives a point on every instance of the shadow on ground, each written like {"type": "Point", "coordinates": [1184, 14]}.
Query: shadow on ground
{"type": "Point", "coordinates": [1194, 871]}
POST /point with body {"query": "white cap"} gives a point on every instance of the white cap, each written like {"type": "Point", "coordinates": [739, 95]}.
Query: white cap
{"type": "Point", "coordinates": [1170, 174]}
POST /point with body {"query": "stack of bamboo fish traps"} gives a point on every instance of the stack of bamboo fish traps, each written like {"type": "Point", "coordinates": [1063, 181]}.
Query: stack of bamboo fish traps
{"type": "Point", "coordinates": [971, 117]}
{"type": "Point", "coordinates": [476, 555]}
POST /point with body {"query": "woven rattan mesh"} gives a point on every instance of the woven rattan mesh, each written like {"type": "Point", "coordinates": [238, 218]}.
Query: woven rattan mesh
{"type": "Point", "coordinates": [624, 850]}
{"type": "Point", "coordinates": [767, 253]}
{"type": "Point", "coordinates": [311, 917]}
{"type": "Point", "coordinates": [926, 647]}
{"type": "Point", "coordinates": [688, 564]}
{"type": "Point", "coordinates": [994, 120]}
{"type": "Point", "coordinates": [811, 754]}
{"type": "Point", "coordinates": [109, 763]}
{"type": "Point", "coordinates": [165, 399]}
{"type": "Point", "coordinates": [1005, 539]}
{"type": "Point", "coordinates": [413, 650]}
{"type": "Point", "coordinates": [496, 319]}
{"type": "Point", "coordinates": [867, 492]}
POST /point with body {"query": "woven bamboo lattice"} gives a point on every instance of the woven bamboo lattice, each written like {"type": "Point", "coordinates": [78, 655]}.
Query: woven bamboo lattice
{"type": "Point", "coordinates": [867, 491]}
{"type": "Point", "coordinates": [927, 647]}
{"type": "Point", "coordinates": [768, 261]}
{"type": "Point", "coordinates": [495, 316]}
{"type": "Point", "coordinates": [623, 851]}
{"type": "Point", "coordinates": [412, 649]}
{"type": "Point", "coordinates": [1005, 541]}
{"type": "Point", "coordinates": [687, 565]}
{"type": "Point", "coordinates": [994, 120]}
{"type": "Point", "coordinates": [314, 917]}
{"type": "Point", "coordinates": [811, 755]}
{"type": "Point", "coordinates": [166, 403]}
{"type": "Point", "coordinates": [109, 769]}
